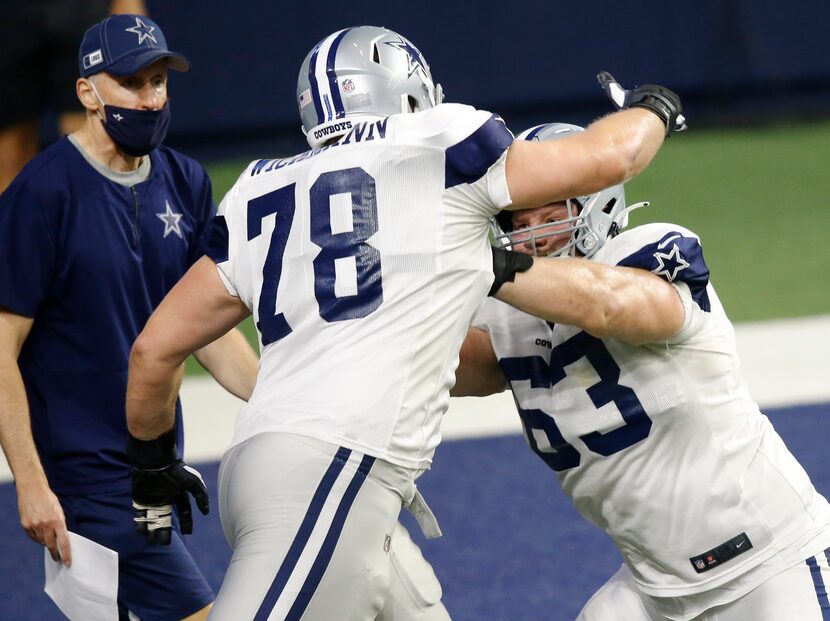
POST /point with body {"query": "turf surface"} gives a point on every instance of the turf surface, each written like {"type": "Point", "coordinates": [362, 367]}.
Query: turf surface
{"type": "Point", "coordinates": [514, 548]}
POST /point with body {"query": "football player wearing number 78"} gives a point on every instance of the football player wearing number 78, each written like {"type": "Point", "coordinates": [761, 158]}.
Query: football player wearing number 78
{"type": "Point", "coordinates": [362, 262]}
{"type": "Point", "coordinates": [627, 381]}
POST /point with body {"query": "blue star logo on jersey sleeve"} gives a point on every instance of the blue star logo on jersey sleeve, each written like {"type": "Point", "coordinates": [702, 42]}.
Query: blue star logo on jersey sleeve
{"type": "Point", "coordinates": [675, 257]}
{"type": "Point", "coordinates": [669, 264]}
{"type": "Point", "coordinates": [171, 220]}
{"type": "Point", "coordinates": [143, 31]}
{"type": "Point", "coordinates": [413, 55]}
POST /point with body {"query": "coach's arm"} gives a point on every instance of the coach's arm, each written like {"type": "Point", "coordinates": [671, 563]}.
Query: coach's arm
{"type": "Point", "coordinates": [231, 362]}
{"type": "Point", "coordinates": [41, 515]}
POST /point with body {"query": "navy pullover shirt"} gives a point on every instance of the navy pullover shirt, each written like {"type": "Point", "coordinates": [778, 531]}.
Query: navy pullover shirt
{"type": "Point", "coordinates": [90, 258]}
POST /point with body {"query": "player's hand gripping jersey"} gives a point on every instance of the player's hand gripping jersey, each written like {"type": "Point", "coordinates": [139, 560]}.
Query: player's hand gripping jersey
{"type": "Point", "coordinates": [661, 445]}
{"type": "Point", "coordinates": [365, 260]}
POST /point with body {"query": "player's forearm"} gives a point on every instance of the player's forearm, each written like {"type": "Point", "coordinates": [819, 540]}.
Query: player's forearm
{"type": "Point", "coordinates": [559, 290]}
{"type": "Point", "coordinates": [478, 373]}
{"type": "Point", "coordinates": [15, 427]}
{"type": "Point", "coordinates": [152, 389]}
{"type": "Point", "coordinates": [624, 143]}
{"type": "Point", "coordinates": [606, 301]}
{"type": "Point", "coordinates": [232, 363]}
{"type": "Point", "coordinates": [473, 382]}
{"type": "Point", "coordinates": [612, 150]}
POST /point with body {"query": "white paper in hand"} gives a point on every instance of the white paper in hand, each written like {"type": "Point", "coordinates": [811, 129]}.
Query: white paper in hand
{"type": "Point", "coordinates": [88, 590]}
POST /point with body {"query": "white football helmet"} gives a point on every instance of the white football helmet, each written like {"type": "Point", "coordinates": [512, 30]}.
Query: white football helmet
{"type": "Point", "coordinates": [591, 219]}
{"type": "Point", "coordinates": [362, 73]}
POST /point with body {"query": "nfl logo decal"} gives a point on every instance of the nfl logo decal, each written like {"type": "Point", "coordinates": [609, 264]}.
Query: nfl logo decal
{"type": "Point", "coordinates": [348, 85]}
{"type": "Point", "coordinates": [700, 564]}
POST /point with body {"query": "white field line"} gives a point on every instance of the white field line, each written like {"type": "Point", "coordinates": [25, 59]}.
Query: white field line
{"type": "Point", "coordinates": [785, 363]}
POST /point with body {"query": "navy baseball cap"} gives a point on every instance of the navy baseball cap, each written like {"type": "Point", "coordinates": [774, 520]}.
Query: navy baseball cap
{"type": "Point", "coordinates": [124, 44]}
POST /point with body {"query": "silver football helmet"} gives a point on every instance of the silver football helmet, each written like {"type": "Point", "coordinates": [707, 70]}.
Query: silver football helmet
{"type": "Point", "coordinates": [591, 219]}
{"type": "Point", "coordinates": [362, 73]}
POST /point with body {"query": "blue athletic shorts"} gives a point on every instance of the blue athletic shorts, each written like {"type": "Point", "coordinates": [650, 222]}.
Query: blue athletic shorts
{"type": "Point", "coordinates": [155, 583]}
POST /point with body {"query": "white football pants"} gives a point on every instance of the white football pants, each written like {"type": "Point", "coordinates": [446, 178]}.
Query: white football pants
{"type": "Point", "coordinates": [796, 594]}
{"type": "Point", "coordinates": [315, 536]}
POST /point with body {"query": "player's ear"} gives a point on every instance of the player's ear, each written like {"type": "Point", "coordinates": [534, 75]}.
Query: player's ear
{"type": "Point", "coordinates": [87, 97]}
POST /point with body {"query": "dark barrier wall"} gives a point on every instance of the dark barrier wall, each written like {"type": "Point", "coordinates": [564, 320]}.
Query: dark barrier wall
{"type": "Point", "coordinates": [527, 60]}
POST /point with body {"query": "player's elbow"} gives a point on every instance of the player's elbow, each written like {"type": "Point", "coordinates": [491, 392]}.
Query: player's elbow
{"type": "Point", "coordinates": [601, 321]}
{"type": "Point", "coordinates": [141, 352]}
{"type": "Point", "coordinates": [148, 351]}
{"type": "Point", "coordinates": [604, 310]}
{"type": "Point", "coordinates": [632, 324]}
{"type": "Point", "coordinates": [164, 341]}
{"type": "Point", "coordinates": [613, 321]}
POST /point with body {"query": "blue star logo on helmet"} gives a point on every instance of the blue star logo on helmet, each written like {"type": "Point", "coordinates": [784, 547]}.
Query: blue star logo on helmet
{"type": "Point", "coordinates": [143, 31]}
{"type": "Point", "coordinates": [413, 55]}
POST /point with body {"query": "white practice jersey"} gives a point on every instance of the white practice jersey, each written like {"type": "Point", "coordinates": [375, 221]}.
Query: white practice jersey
{"type": "Point", "coordinates": [362, 263]}
{"type": "Point", "coordinates": [661, 445]}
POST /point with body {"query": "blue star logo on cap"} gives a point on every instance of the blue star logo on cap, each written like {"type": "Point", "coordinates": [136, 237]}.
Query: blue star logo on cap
{"type": "Point", "coordinates": [143, 31]}
{"type": "Point", "coordinates": [171, 220]}
{"type": "Point", "coordinates": [413, 55]}
{"type": "Point", "coordinates": [669, 264]}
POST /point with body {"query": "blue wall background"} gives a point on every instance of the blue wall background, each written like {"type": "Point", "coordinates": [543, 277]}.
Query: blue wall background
{"type": "Point", "coordinates": [732, 60]}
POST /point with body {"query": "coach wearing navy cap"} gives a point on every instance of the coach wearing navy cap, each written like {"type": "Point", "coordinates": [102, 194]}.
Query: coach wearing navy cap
{"type": "Point", "coordinates": [129, 51]}
{"type": "Point", "coordinates": [93, 233]}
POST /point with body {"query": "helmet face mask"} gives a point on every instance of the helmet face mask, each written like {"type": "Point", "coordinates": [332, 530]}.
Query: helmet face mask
{"type": "Point", "coordinates": [538, 237]}
{"type": "Point", "coordinates": [591, 220]}
{"type": "Point", "coordinates": [361, 74]}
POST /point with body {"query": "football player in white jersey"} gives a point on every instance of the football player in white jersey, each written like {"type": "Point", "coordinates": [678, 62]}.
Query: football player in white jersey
{"type": "Point", "coordinates": [362, 262]}
{"type": "Point", "coordinates": [628, 385]}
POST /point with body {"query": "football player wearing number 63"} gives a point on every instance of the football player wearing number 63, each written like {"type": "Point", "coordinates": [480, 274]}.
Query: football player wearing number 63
{"type": "Point", "coordinates": [362, 262]}
{"type": "Point", "coordinates": [628, 385]}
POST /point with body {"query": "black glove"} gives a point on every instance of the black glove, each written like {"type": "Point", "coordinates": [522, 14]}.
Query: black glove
{"type": "Point", "coordinates": [506, 263]}
{"type": "Point", "coordinates": [160, 480]}
{"type": "Point", "coordinates": [660, 100]}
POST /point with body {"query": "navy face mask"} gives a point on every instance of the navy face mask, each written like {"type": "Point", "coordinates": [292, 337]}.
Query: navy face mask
{"type": "Point", "coordinates": [136, 132]}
